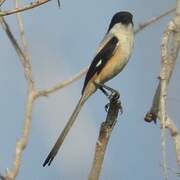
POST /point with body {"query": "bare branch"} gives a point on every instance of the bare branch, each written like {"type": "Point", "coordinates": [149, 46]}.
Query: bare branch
{"type": "Point", "coordinates": [22, 142]}
{"type": "Point", "coordinates": [163, 84]}
{"type": "Point", "coordinates": [24, 59]}
{"type": "Point", "coordinates": [24, 8]}
{"type": "Point", "coordinates": [170, 125]}
{"type": "Point", "coordinates": [168, 61]}
{"type": "Point", "coordinates": [103, 139]}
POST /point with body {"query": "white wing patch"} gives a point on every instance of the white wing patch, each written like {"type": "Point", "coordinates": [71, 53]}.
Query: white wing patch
{"type": "Point", "coordinates": [99, 63]}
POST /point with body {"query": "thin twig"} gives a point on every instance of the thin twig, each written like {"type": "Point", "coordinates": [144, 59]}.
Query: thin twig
{"type": "Point", "coordinates": [24, 42]}
{"type": "Point", "coordinates": [14, 42]}
{"type": "Point", "coordinates": [22, 56]}
{"type": "Point", "coordinates": [31, 5]}
{"type": "Point", "coordinates": [152, 20]}
{"type": "Point", "coordinates": [21, 30]}
{"type": "Point", "coordinates": [103, 139]}
{"type": "Point", "coordinates": [1, 2]}
{"type": "Point", "coordinates": [63, 84]}
{"type": "Point", "coordinates": [59, 3]}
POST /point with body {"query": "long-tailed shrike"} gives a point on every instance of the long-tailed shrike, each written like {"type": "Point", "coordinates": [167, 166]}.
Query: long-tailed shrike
{"type": "Point", "coordinates": [112, 55]}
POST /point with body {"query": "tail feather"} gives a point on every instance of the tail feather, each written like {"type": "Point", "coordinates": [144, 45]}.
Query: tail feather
{"type": "Point", "coordinates": [64, 133]}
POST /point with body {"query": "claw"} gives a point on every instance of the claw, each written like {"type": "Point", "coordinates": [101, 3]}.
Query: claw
{"type": "Point", "coordinates": [106, 107]}
{"type": "Point", "coordinates": [114, 96]}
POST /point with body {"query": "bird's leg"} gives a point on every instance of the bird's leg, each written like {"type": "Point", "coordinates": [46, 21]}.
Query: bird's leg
{"type": "Point", "coordinates": [107, 95]}
{"type": "Point", "coordinates": [114, 94]}
{"type": "Point", "coordinates": [104, 92]}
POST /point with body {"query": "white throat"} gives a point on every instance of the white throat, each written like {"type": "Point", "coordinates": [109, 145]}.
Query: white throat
{"type": "Point", "coordinates": [120, 30]}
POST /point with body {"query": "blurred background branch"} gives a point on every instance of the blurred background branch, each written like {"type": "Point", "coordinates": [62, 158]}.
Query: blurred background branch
{"type": "Point", "coordinates": [1, 2]}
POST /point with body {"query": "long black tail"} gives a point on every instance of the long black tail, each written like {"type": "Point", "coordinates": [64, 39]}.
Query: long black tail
{"type": "Point", "coordinates": [64, 133]}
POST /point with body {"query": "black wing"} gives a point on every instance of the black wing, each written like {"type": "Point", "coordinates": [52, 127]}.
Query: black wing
{"type": "Point", "coordinates": [101, 59]}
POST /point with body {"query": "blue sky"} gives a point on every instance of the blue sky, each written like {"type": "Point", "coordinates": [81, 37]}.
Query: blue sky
{"type": "Point", "coordinates": [61, 42]}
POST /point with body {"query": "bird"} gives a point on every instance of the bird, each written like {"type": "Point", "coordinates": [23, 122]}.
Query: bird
{"type": "Point", "coordinates": [112, 55]}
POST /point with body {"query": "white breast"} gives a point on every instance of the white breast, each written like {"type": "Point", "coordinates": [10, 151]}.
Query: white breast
{"type": "Point", "coordinates": [125, 35]}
